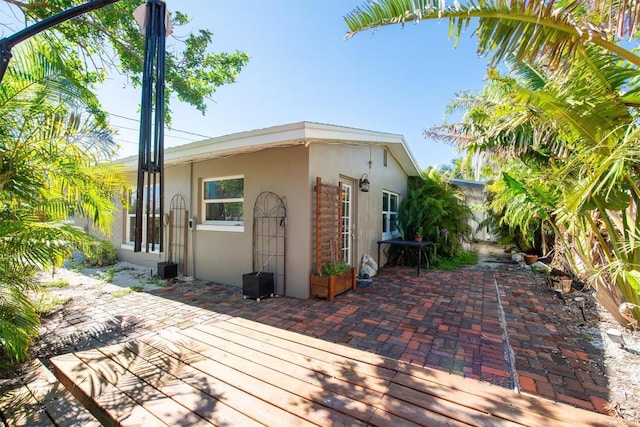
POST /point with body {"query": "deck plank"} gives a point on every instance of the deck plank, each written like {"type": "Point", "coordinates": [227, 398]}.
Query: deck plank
{"type": "Point", "coordinates": [161, 372]}
{"type": "Point", "coordinates": [286, 392]}
{"type": "Point", "coordinates": [529, 410]}
{"type": "Point", "coordinates": [366, 388]}
{"type": "Point", "coordinates": [239, 372]}
{"type": "Point", "coordinates": [20, 408]}
{"type": "Point", "coordinates": [312, 348]}
{"type": "Point", "coordinates": [320, 387]}
{"type": "Point", "coordinates": [142, 382]}
{"type": "Point", "coordinates": [97, 393]}
{"type": "Point", "coordinates": [256, 406]}
{"type": "Point", "coordinates": [58, 402]}
{"type": "Point", "coordinates": [416, 408]}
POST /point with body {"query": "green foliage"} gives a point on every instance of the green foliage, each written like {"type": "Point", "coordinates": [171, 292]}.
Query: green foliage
{"type": "Point", "coordinates": [50, 146]}
{"type": "Point", "coordinates": [157, 282]}
{"type": "Point", "coordinates": [60, 283]}
{"type": "Point", "coordinates": [524, 205]}
{"type": "Point", "coordinates": [107, 275]}
{"type": "Point", "coordinates": [109, 40]}
{"type": "Point", "coordinates": [460, 259]}
{"type": "Point", "coordinates": [335, 269]}
{"type": "Point", "coordinates": [122, 292]}
{"type": "Point", "coordinates": [526, 29]}
{"type": "Point", "coordinates": [45, 303]}
{"type": "Point", "coordinates": [102, 253]}
{"type": "Point", "coordinates": [19, 321]}
{"type": "Point", "coordinates": [435, 210]}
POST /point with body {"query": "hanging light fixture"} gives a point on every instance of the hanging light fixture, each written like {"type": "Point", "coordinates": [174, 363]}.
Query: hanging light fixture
{"type": "Point", "coordinates": [364, 183]}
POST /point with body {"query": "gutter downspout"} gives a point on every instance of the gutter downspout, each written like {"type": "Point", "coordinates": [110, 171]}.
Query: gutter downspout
{"type": "Point", "coordinates": [193, 238]}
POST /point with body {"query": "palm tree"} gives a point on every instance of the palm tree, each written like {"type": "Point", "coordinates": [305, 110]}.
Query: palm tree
{"type": "Point", "coordinates": [51, 146]}
{"type": "Point", "coordinates": [579, 164]}
{"type": "Point", "coordinates": [579, 122]}
{"type": "Point", "coordinates": [528, 29]}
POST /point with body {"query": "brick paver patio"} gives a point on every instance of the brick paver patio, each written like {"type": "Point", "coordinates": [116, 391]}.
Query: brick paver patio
{"type": "Point", "coordinates": [497, 325]}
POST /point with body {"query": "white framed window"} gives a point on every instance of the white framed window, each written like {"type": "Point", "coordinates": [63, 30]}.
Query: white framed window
{"type": "Point", "coordinates": [390, 202]}
{"type": "Point", "coordinates": [153, 221]}
{"type": "Point", "coordinates": [222, 206]}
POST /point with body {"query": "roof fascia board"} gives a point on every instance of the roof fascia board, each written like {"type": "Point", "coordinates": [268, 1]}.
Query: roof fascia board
{"type": "Point", "coordinates": [284, 135]}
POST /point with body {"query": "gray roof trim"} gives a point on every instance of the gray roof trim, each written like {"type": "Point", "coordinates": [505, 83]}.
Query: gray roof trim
{"type": "Point", "coordinates": [467, 183]}
{"type": "Point", "coordinates": [300, 133]}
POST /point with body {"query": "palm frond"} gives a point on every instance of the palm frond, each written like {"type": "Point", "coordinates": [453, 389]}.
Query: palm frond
{"type": "Point", "coordinates": [528, 29]}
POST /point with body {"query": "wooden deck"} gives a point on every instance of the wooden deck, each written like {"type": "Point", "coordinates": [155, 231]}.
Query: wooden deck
{"type": "Point", "coordinates": [240, 373]}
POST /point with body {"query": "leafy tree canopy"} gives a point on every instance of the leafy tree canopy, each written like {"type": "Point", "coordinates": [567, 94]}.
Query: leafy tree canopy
{"type": "Point", "coordinates": [108, 40]}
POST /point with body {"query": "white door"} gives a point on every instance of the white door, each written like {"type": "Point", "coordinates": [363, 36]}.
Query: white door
{"type": "Point", "coordinates": [347, 222]}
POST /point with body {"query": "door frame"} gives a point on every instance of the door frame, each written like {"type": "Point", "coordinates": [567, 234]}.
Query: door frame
{"type": "Point", "coordinates": [349, 185]}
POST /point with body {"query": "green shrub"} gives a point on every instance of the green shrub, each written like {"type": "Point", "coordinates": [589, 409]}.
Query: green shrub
{"type": "Point", "coordinates": [102, 253]}
{"type": "Point", "coordinates": [61, 283]}
{"type": "Point", "coordinates": [460, 259]}
{"type": "Point", "coordinates": [107, 275]}
{"type": "Point", "coordinates": [334, 269]}
{"type": "Point", "coordinates": [435, 210]}
{"type": "Point", "coordinates": [45, 303]}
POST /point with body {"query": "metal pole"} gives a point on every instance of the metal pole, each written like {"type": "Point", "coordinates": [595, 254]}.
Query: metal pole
{"type": "Point", "coordinates": [151, 150]}
{"type": "Point", "coordinates": [160, 89]}
{"type": "Point", "coordinates": [8, 43]}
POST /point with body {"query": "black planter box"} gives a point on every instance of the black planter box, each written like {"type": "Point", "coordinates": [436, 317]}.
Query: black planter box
{"type": "Point", "coordinates": [256, 285]}
{"type": "Point", "coordinates": [167, 270]}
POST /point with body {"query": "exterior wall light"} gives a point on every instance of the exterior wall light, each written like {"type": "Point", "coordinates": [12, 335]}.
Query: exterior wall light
{"type": "Point", "coordinates": [364, 183]}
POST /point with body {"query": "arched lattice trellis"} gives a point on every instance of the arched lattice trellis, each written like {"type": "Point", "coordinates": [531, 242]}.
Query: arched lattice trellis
{"type": "Point", "coordinates": [178, 216]}
{"type": "Point", "coordinates": [269, 238]}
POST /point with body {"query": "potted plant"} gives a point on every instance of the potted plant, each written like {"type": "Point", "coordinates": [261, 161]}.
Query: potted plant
{"type": "Point", "coordinates": [333, 279]}
{"type": "Point", "coordinates": [411, 216]}
{"type": "Point", "coordinates": [418, 234]}
{"type": "Point", "coordinates": [530, 259]}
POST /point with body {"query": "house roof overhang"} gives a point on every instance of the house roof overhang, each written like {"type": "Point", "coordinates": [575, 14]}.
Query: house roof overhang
{"type": "Point", "coordinates": [300, 133]}
{"type": "Point", "coordinates": [467, 183]}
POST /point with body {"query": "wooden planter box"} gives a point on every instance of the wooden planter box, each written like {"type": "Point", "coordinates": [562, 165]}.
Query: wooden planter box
{"type": "Point", "coordinates": [330, 286]}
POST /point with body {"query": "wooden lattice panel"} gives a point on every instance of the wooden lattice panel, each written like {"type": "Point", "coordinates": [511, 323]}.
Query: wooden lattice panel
{"type": "Point", "coordinates": [328, 223]}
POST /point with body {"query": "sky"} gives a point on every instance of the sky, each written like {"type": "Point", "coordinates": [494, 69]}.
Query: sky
{"type": "Point", "coordinates": [396, 80]}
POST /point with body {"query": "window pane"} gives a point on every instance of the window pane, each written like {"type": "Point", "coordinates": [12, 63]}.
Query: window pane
{"type": "Point", "coordinates": [210, 189]}
{"type": "Point", "coordinates": [153, 196]}
{"type": "Point", "coordinates": [224, 189]}
{"type": "Point", "coordinates": [153, 230]}
{"type": "Point", "coordinates": [232, 211]}
{"type": "Point", "coordinates": [393, 223]}
{"type": "Point", "coordinates": [385, 201]}
{"type": "Point", "coordinates": [393, 202]}
{"type": "Point", "coordinates": [214, 212]}
{"type": "Point", "coordinates": [132, 228]}
{"type": "Point", "coordinates": [132, 201]}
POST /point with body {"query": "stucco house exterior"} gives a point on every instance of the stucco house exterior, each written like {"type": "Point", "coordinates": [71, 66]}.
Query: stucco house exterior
{"type": "Point", "coordinates": [284, 161]}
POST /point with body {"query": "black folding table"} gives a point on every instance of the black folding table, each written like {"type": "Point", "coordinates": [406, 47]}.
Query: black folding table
{"type": "Point", "coordinates": [409, 243]}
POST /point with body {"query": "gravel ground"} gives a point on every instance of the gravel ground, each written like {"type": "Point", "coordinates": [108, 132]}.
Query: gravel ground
{"type": "Point", "coordinates": [622, 363]}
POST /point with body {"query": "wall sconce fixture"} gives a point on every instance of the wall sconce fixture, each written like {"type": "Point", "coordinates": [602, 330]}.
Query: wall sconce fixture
{"type": "Point", "coordinates": [364, 183]}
